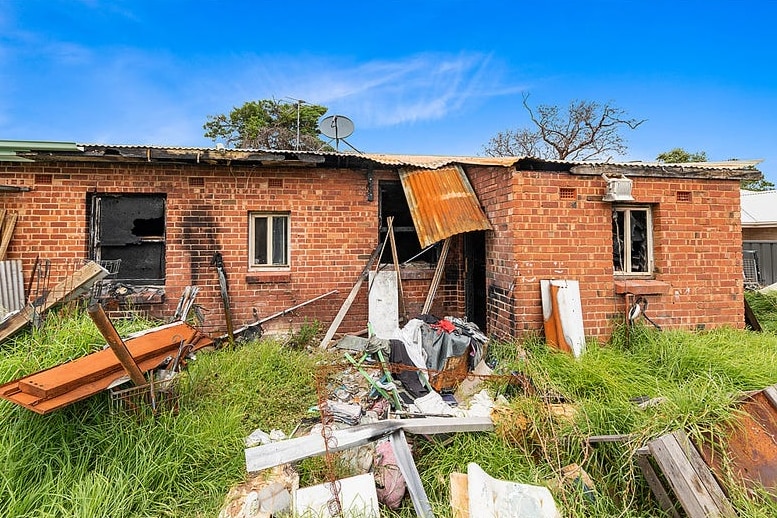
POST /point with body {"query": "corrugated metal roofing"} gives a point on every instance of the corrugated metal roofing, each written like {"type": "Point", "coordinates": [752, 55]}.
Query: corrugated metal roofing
{"type": "Point", "coordinates": [436, 161]}
{"type": "Point", "coordinates": [759, 208]}
{"type": "Point", "coordinates": [442, 203]}
{"type": "Point", "coordinates": [11, 286]}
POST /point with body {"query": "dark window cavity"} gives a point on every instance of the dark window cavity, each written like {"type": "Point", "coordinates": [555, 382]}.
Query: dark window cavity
{"type": "Point", "coordinates": [129, 230]}
{"type": "Point", "coordinates": [394, 203]}
{"type": "Point", "coordinates": [632, 240]}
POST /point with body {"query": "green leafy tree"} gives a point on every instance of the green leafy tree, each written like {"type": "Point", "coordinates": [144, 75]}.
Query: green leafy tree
{"type": "Point", "coordinates": [585, 130]}
{"type": "Point", "coordinates": [268, 124]}
{"type": "Point", "coordinates": [679, 155]}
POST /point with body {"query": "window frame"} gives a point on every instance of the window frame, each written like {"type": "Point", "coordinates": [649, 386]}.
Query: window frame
{"type": "Point", "coordinates": [627, 209]}
{"type": "Point", "coordinates": [271, 216]}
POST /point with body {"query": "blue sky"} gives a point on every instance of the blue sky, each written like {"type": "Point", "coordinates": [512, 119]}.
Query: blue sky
{"type": "Point", "coordinates": [415, 77]}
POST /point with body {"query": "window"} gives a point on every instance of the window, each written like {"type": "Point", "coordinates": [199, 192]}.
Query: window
{"type": "Point", "coordinates": [129, 230]}
{"type": "Point", "coordinates": [632, 240]}
{"type": "Point", "coordinates": [269, 240]}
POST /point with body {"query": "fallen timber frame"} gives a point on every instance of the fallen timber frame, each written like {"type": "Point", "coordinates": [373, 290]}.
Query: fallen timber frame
{"type": "Point", "coordinates": [60, 386]}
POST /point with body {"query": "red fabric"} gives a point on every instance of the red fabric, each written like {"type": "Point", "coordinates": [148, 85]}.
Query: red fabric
{"type": "Point", "coordinates": [444, 325]}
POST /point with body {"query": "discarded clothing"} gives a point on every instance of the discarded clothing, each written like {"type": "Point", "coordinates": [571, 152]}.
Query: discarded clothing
{"type": "Point", "coordinates": [410, 379]}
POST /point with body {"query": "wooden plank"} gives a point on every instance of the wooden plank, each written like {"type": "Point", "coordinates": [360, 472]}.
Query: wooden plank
{"type": "Point", "coordinates": [459, 495]}
{"type": "Point", "coordinates": [116, 344]}
{"type": "Point", "coordinates": [7, 227]}
{"type": "Point", "coordinates": [705, 474]}
{"type": "Point", "coordinates": [70, 287]}
{"type": "Point", "coordinates": [395, 258]}
{"type": "Point", "coordinates": [349, 299]}
{"type": "Point", "coordinates": [655, 485]}
{"type": "Point", "coordinates": [446, 245]}
{"type": "Point", "coordinates": [683, 478]}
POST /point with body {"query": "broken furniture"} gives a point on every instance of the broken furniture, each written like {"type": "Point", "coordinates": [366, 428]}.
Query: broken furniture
{"type": "Point", "coordinates": [60, 386]}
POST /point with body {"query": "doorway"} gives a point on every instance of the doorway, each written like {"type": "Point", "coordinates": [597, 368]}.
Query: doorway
{"type": "Point", "coordinates": [475, 293]}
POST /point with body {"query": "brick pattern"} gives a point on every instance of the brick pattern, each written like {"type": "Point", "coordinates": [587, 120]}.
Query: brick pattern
{"type": "Point", "coordinates": [538, 234]}
{"type": "Point", "coordinates": [697, 249]}
{"type": "Point", "coordinates": [333, 231]}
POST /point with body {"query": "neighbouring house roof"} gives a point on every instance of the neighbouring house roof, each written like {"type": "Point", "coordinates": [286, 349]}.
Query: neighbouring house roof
{"type": "Point", "coordinates": [759, 208]}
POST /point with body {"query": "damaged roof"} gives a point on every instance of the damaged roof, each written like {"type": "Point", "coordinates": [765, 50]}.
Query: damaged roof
{"type": "Point", "coordinates": [39, 151]}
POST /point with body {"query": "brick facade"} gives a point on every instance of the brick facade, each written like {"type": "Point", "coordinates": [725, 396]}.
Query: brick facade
{"type": "Point", "coordinates": [539, 233]}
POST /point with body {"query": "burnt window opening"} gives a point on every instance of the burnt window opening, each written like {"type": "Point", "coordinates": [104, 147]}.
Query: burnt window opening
{"type": "Point", "coordinates": [130, 228]}
{"type": "Point", "coordinates": [632, 240]}
{"type": "Point", "coordinates": [394, 203]}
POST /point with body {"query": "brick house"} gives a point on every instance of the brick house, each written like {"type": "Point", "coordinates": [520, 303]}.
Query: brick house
{"type": "Point", "coordinates": [291, 226]}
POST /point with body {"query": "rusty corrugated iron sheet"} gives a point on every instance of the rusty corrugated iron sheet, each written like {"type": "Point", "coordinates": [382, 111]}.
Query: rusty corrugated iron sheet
{"type": "Point", "coordinates": [747, 451]}
{"type": "Point", "coordinates": [442, 203]}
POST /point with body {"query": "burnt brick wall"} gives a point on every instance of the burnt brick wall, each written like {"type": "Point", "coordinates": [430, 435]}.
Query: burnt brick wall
{"type": "Point", "coordinates": [334, 229]}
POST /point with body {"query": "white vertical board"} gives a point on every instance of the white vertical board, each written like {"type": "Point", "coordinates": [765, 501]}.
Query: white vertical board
{"type": "Point", "coordinates": [569, 309]}
{"type": "Point", "coordinates": [384, 303]}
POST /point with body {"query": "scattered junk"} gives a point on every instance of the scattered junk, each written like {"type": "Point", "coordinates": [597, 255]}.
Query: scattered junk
{"type": "Point", "coordinates": [60, 386]}
{"type": "Point", "coordinates": [476, 494]}
{"type": "Point", "coordinates": [70, 288]}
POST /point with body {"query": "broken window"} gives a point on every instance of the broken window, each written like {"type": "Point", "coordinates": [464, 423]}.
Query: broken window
{"type": "Point", "coordinates": [394, 203]}
{"type": "Point", "coordinates": [269, 239]}
{"type": "Point", "coordinates": [129, 230]}
{"type": "Point", "coordinates": [632, 240]}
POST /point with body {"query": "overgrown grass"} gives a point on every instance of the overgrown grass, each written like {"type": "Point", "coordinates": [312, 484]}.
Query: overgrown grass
{"type": "Point", "coordinates": [85, 461]}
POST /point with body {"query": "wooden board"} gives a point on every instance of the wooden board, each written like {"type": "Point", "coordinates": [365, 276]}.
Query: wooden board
{"type": "Point", "coordinates": [459, 495]}
{"type": "Point", "coordinates": [70, 287]}
{"type": "Point", "coordinates": [59, 386]}
{"type": "Point", "coordinates": [690, 479]}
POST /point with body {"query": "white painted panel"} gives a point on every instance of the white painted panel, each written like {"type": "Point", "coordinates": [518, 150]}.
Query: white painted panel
{"type": "Point", "coordinates": [570, 310]}
{"type": "Point", "coordinates": [384, 303]}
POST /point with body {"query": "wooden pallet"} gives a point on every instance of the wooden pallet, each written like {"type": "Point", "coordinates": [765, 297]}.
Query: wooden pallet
{"type": "Point", "coordinates": [685, 476]}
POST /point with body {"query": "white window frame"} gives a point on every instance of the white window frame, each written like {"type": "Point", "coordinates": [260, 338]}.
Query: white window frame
{"type": "Point", "coordinates": [626, 210]}
{"type": "Point", "coordinates": [271, 217]}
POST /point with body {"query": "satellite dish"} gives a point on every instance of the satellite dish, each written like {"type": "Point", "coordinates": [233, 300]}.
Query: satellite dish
{"type": "Point", "coordinates": [336, 126]}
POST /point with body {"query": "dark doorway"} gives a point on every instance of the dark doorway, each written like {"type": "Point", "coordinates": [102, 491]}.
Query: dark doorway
{"type": "Point", "coordinates": [475, 278]}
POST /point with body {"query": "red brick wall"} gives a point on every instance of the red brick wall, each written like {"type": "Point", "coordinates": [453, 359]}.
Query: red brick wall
{"type": "Point", "coordinates": [538, 235]}
{"type": "Point", "coordinates": [333, 231]}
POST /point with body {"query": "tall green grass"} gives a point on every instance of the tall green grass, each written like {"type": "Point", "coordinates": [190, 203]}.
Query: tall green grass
{"type": "Point", "coordinates": [87, 461]}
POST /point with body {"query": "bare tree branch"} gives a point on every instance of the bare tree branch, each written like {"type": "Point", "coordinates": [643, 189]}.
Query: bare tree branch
{"type": "Point", "coordinates": [587, 130]}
